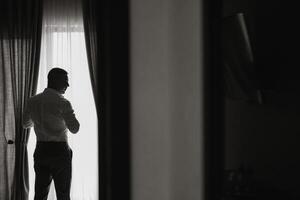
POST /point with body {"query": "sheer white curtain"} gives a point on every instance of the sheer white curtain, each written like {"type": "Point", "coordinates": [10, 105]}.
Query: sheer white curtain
{"type": "Point", "coordinates": [63, 46]}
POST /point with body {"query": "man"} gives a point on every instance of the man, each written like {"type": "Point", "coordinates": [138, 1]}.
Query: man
{"type": "Point", "coordinates": [52, 116]}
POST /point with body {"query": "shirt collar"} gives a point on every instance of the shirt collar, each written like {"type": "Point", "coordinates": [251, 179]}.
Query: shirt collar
{"type": "Point", "coordinates": [52, 91]}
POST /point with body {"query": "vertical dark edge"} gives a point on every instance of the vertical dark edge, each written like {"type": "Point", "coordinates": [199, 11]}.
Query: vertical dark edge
{"type": "Point", "coordinates": [120, 139]}
{"type": "Point", "coordinates": [129, 146]}
{"type": "Point", "coordinates": [103, 116]}
{"type": "Point", "coordinates": [120, 99]}
{"type": "Point", "coordinates": [213, 100]}
{"type": "Point", "coordinates": [115, 141]}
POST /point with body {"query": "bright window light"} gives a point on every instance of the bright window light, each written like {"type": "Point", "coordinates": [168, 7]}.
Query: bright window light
{"type": "Point", "coordinates": [67, 50]}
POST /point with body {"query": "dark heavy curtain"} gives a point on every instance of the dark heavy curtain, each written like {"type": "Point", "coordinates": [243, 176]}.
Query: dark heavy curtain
{"type": "Point", "coordinates": [91, 24]}
{"type": "Point", "coordinates": [20, 38]}
{"type": "Point", "coordinates": [106, 25]}
{"type": "Point", "coordinates": [91, 16]}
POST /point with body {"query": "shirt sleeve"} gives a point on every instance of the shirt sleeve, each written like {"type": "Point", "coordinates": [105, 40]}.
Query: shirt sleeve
{"type": "Point", "coordinates": [69, 117]}
{"type": "Point", "coordinates": [27, 121]}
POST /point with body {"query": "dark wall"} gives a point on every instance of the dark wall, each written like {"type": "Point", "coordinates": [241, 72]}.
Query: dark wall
{"type": "Point", "coordinates": [277, 44]}
{"type": "Point", "coordinates": [265, 137]}
{"type": "Point", "coordinates": [274, 36]}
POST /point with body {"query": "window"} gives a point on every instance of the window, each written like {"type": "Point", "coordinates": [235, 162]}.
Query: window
{"type": "Point", "coordinates": [65, 47]}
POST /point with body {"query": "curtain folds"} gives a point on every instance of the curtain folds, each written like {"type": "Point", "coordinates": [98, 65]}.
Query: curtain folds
{"type": "Point", "coordinates": [106, 33]}
{"type": "Point", "coordinates": [91, 41]}
{"type": "Point", "coordinates": [20, 39]}
{"type": "Point", "coordinates": [96, 23]}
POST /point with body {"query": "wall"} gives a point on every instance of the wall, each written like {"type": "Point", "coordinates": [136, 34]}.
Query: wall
{"type": "Point", "coordinates": [166, 100]}
{"type": "Point", "coordinates": [265, 137]}
{"type": "Point", "coordinates": [274, 38]}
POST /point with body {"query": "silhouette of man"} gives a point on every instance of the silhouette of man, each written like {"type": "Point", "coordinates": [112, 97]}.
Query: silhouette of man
{"type": "Point", "coordinates": [52, 116]}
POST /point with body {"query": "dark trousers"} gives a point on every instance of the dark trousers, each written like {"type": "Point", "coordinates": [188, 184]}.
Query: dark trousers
{"type": "Point", "coordinates": [52, 161]}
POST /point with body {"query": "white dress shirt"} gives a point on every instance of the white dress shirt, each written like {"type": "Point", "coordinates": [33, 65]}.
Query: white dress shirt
{"type": "Point", "coordinates": [51, 115]}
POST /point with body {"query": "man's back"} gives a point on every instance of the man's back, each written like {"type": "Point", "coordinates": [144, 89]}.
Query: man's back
{"type": "Point", "coordinates": [51, 115]}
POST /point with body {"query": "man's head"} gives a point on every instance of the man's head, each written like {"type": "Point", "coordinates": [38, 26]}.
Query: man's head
{"type": "Point", "coordinates": [58, 80]}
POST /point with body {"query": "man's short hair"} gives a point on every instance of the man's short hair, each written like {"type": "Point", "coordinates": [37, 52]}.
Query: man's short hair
{"type": "Point", "coordinates": [54, 73]}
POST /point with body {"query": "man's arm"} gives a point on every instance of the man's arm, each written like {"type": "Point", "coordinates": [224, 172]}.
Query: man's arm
{"type": "Point", "coordinates": [70, 119]}
{"type": "Point", "coordinates": [27, 121]}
